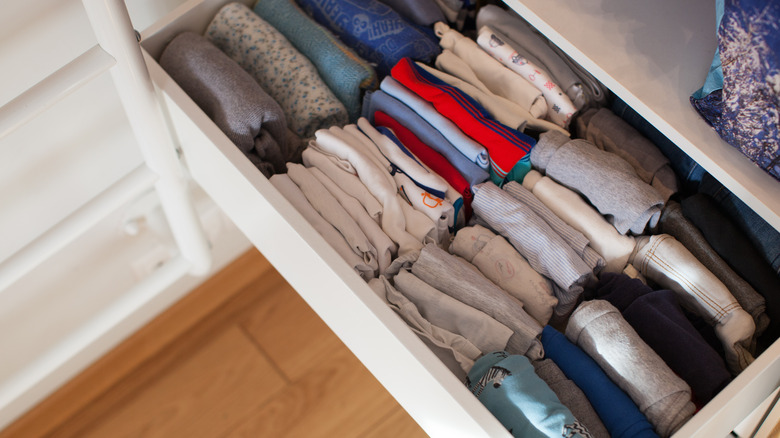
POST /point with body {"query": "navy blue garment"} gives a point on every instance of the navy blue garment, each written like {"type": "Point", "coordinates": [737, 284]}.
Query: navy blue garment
{"type": "Point", "coordinates": [659, 320]}
{"type": "Point", "coordinates": [374, 31]}
{"type": "Point", "coordinates": [729, 242]}
{"type": "Point", "coordinates": [618, 412]}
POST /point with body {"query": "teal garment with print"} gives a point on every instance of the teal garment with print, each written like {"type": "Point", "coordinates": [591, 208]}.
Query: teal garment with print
{"type": "Point", "coordinates": [508, 386]}
{"type": "Point", "coordinates": [280, 69]}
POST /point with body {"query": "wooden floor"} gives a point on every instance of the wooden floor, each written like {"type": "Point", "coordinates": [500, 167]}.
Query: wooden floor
{"type": "Point", "coordinates": [241, 356]}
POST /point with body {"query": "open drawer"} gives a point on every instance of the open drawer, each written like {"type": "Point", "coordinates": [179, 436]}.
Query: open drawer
{"type": "Point", "coordinates": [433, 396]}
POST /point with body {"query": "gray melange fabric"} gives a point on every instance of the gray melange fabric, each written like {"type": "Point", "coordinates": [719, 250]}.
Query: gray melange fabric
{"type": "Point", "coordinates": [571, 396]}
{"type": "Point", "coordinates": [446, 312]}
{"type": "Point", "coordinates": [500, 262]}
{"type": "Point", "coordinates": [249, 117]}
{"type": "Point", "coordinates": [607, 180]}
{"type": "Point", "coordinates": [462, 281]}
{"type": "Point", "coordinates": [544, 249]}
{"type": "Point", "coordinates": [295, 196]}
{"type": "Point", "coordinates": [613, 134]}
{"type": "Point", "coordinates": [385, 247]}
{"type": "Point", "coordinates": [449, 347]}
{"type": "Point", "coordinates": [329, 208]}
{"type": "Point", "coordinates": [675, 224]}
{"type": "Point", "coordinates": [578, 242]}
{"type": "Point", "coordinates": [601, 331]}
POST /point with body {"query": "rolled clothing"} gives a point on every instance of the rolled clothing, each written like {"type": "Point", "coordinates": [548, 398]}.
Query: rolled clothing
{"type": "Point", "coordinates": [421, 12]}
{"type": "Point", "coordinates": [571, 396]}
{"type": "Point", "coordinates": [664, 260]}
{"type": "Point", "coordinates": [533, 238]}
{"type": "Point", "coordinates": [618, 412]}
{"type": "Point", "coordinates": [381, 101]}
{"type": "Point", "coordinates": [732, 245]}
{"type": "Point", "coordinates": [510, 389]}
{"type": "Point", "coordinates": [346, 180]}
{"type": "Point", "coordinates": [280, 69]}
{"type": "Point", "coordinates": [446, 312]}
{"type": "Point", "coordinates": [500, 262]}
{"type": "Point", "coordinates": [489, 71]}
{"type": "Point", "coordinates": [435, 161]}
{"type": "Point", "coordinates": [560, 108]}
{"type": "Point", "coordinates": [462, 281]}
{"type": "Point", "coordinates": [345, 73]}
{"type": "Point", "coordinates": [613, 134]}
{"type": "Point", "coordinates": [230, 97]}
{"type": "Point", "coordinates": [572, 209]}
{"type": "Point", "coordinates": [374, 30]}
{"type": "Point", "coordinates": [576, 240]}
{"type": "Point", "coordinates": [674, 223]}
{"type": "Point", "coordinates": [508, 149]}
{"type": "Point", "coordinates": [601, 331]}
{"type": "Point", "coordinates": [295, 196]}
{"type": "Point", "coordinates": [386, 249]}
{"type": "Point", "coordinates": [448, 346]}
{"type": "Point", "coordinates": [332, 211]}
{"type": "Point", "coordinates": [659, 320]}
{"type": "Point", "coordinates": [393, 220]}
{"type": "Point", "coordinates": [465, 144]}
{"type": "Point", "coordinates": [605, 179]}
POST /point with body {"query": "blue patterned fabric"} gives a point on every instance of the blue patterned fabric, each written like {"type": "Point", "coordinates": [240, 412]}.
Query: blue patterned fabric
{"type": "Point", "coordinates": [345, 73]}
{"type": "Point", "coordinates": [747, 112]}
{"type": "Point", "coordinates": [373, 30]}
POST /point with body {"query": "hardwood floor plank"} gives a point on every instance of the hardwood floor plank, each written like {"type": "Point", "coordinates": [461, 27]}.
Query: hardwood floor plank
{"type": "Point", "coordinates": [397, 424]}
{"type": "Point", "coordinates": [112, 367]}
{"type": "Point", "coordinates": [336, 397]}
{"type": "Point", "coordinates": [206, 393]}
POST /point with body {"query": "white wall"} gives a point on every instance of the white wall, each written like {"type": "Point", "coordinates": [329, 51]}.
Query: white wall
{"type": "Point", "coordinates": [76, 305]}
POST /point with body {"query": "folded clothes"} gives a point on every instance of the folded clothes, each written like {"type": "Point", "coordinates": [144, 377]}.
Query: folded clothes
{"type": "Point", "coordinates": [434, 160]}
{"type": "Point", "coordinates": [446, 312]}
{"type": "Point", "coordinates": [457, 352]}
{"type": "Point", "coordinates": [533, 238]}
{"type": "Point", "coordinates": [283, 72]}
{"type": "Point", "coordinates": [731, 244]}
{"type": "Point", "coordinates": [674, 223]}
{"type": "Point", "coordinates": [490, 73]}
{"type": "Point", "coordinates": [249, 117]}
{"type": "Point", "coordinates": [657, 318]}
{"type": "Point", "coordinates": [422, 12]}
{"type": "Point", "coordinates": [607, 180]}
{"type": "Point", "coordinates": [381, 101]}
{"type": "Point", "coordinates": [613, 134]}
{"type": "Point", "coordinates": [386, 249]}
{"type": "Point", "coordinates": [560, 108]}
{"type": "Point", "coordinates": [345, 73]}
{"type": "Point", "coordinates": [365, 268]}
{"type": "Point", "coordinates": [508, 149]}
{"type": "Point", "coordinates": [571, 396]}
{"type": "Point", "coordinates": [601, 331]}
{"type": "Point", "coordinates": [664, 260]}
{"type": "Point", "coordinates": [616, 409]}
{"type": "Point", "coordinates": [425, 109]}
{"type": "Point", "coordinates": [374, 30]}
{"type": "Point", "coordinates": [510, 389]}
{"type": "Point", "coordinates": [499, 261]}
{"type": "Point", "coordinates": [459, 279]}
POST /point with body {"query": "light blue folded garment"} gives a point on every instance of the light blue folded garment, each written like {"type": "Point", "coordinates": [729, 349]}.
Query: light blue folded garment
{"type": "Point", "coordinates": [345, 73]}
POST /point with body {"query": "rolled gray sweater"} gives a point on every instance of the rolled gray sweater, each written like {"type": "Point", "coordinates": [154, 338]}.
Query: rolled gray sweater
{"type": "Point", "coordinates": [607, 180]}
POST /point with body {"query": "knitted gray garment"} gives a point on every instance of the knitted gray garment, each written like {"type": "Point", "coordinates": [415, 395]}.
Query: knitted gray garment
{"type": "Point", "coordinates": [607, 180]}
{"type": "Point", "coordinates": [611, 133]}
{"type": "Point", "coordinates": [601, 331]}
{"type": "Point", "coordinates": [675, 224]}
{"type": "Point", "coordinates": [571, 396]}
{"type": "Point", "coordinates": [462, 281]}
{"type": "Point", "coordinates": [233, 100]}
